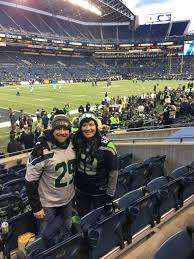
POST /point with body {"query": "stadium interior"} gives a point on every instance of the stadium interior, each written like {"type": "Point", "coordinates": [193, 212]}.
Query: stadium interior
{"type": "Point", "coordinates": [45, 44]}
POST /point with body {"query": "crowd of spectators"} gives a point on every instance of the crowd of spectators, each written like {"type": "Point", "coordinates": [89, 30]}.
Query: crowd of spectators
{"type": "Point", "coordinates": [150, 109]}
{"type": "Point", "coordinates": [16, 67]}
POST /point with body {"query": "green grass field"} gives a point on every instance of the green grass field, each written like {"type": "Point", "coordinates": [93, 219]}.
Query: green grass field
{"type": "Point", "coordinates": [75, 94]}
{"type": "Point", "coordinates": [46, 97]}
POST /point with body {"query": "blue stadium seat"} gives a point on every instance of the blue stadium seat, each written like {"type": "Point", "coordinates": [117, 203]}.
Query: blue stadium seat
{"type": "Point", "coordinates": [135, 176]}
{"type": "Point", "coordinates": [129, 198]}
{"type": "Point", "coordinates": [124, 160]}
{"type": "Point", "coordinates": [121, 188]}
{"type": "Point", "coordinates": [10, 206]}
{"type": "Point", "coordinates": [14, 186]}
{"type": "Point", "coordinates": [55, 243]}
{"type": "Point", "coordinates": [103, 232]}
{"type": "Point", "coordinates": [4, 178]}
{"type": "Point", "coordinates": [186, 173]}
{"type": "Point", "coordinates": [17, 167]}
{"type": "Point", "coordinates": [157, 183]}
{"type": "Point", "coordinates": [180, 171]}
{"type": "Point", "coordinates": [167, 193]}
{"type": "Point", "coordinates": [156, 166]}
{"type": "Point", "coordinates": [140, 215]}
{"type": "Point", "coordinates": [72, 248]}
{"type": "Point", "coordinates": [178, 246]}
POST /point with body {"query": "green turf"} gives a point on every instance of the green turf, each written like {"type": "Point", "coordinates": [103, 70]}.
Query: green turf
{"type": "Point", "coordinates": [75, 94]}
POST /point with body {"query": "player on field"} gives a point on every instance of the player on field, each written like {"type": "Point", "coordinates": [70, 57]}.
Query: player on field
{"type": "Point", "coordinates": [49, 176]}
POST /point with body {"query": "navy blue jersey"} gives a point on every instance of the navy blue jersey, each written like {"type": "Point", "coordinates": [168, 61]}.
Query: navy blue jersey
{"type": "Point", "coordinates": [97, 168]}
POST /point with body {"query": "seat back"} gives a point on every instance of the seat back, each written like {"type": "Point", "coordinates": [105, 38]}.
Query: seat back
{"type": "Point", "coordinates": [141, 214]}
{"type": "Point", "coordinates": [4, 178]}
{"type": "Point", "coordinates": [178, 246]}
{"type": "Point", "coordinates": [16, 185]}
{"type": "Point", "coordinates": [180, 171]}
{"type": "Point", "coordinates": [122, 187]}
{"type": "Point", "coordinates": [10, 206]}
{"type": "Point", "coordinates": [125, 160]}
{"type": "Point", "coordinates": [136, 176]}
{"type": "Point", "coordinates": [129, 198]}
{"type": "Point", "coordinates": [98, 228]}
{"type": "Point", "coordinates": [156, 166]}
{"type": "Point", "coordinates": [167, 194]}
{"type": "Point", "coordinates": [157, 183]}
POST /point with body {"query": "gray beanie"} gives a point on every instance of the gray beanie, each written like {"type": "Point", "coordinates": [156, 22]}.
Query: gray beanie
{"type": "Point", "coordinates": [60, 120]}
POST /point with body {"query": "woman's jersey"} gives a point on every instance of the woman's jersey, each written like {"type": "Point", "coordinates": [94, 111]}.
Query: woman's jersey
{"type": "Point", "coordinates": [54, 171]}
{"type": "Point", "coordinates": [93, 170]}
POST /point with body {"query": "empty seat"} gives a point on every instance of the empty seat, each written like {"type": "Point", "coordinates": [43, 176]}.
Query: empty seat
{"type": "Point", "coordinates": [103, 232]}
{"type": "Point", "coordinates": [135, 176]}
{"type": "Point", "coordinates": [132, 177]}
{"type": "Point", "coordinates": [4, 178]}
{"type": "Point", "coordinates": [167, 193]}
{"type": "Point", "coordinates": [140, 215]}
{"type": "Point", "coordinates": [14, 186]}
{"type": "Point", "coordinates": [10, 206]}
{"type": "Point", "coordinates": [180, 171]}
{"type": "Point", "coordinates": [124, 160]}
{"type": "Point", "coordinates": [178, 246]}
{"type": "Point", "coordinates": [156, 166]}
{"type": "Point", "coordinates": [129, 198]}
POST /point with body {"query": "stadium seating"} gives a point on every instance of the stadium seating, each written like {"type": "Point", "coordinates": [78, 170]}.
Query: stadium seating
{"type": "Point", "coordinates": [10, 206]}
{"type": "Point", "coordinates": [99, 227]}
{"type": "Point", "coordinates": [179, 246]}
{"type": "Point", "coordinates": [156, 166]}
{"type": "Point", "coordinates": [135, 212]}
{"type": "Point", "coordinates": [125, 160]}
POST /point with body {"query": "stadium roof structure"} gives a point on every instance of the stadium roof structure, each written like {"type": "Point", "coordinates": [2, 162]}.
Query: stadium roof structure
{"type": "Point", "coordinates": [112, 10]}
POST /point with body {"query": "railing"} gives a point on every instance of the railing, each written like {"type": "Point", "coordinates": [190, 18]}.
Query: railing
{"type": "Point", "coordinates": [15, 153]}
{"type": "Point", "coordinates": [177, 125]}
{"type": "Point", "coordinates": [134, 140]}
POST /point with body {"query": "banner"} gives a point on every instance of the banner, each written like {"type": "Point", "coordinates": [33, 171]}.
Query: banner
{"type": "Point", "coordinates": [158, 17]}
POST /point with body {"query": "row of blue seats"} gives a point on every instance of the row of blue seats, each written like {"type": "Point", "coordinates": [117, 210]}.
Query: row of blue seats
{"type": "Point", "coordinates": [135, 211]}
{"type": "Point", "coordinates": [137, 175]}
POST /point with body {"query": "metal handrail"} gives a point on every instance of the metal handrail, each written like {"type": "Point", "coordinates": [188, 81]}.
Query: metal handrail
{"type": "Point", "coordinates": [16, 153]}
{"type": "Point", "coordinates": [133, 140]}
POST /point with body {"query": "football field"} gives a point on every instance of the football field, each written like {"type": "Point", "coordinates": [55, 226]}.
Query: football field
{"type": "Point", "coordinates": [46, 97]}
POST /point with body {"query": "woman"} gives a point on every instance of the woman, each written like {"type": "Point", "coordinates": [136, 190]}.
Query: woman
{"type": "Point", "coordinates": [97, 167]}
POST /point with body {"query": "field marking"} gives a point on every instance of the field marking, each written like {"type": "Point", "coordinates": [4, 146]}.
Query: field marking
{"type": "Point", "coordinates": [44, 99]}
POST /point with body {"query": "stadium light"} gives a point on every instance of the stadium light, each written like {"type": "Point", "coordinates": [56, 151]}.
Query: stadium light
{"type": "Point", "coordinates": [87, 6]}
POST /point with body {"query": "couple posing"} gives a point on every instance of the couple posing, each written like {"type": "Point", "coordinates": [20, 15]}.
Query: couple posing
{"type": "Point", "coordinates": [59, 168]}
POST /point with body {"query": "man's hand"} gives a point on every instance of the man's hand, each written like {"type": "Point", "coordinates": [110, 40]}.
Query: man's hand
{"type": "Point", "coordinates": [40, 214]}
{"type": "Point", "coordinates": [39, 147]}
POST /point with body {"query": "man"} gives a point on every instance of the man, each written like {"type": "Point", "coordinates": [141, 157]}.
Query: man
{"type": "Point", "coordinates": [49, 176]}
{"type": "Point", "coordinates": [13, 145]}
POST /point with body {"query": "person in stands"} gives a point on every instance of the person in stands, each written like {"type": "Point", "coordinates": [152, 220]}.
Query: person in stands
{"type": "Point", "coordinates": [96, 167]}
{"type": "Point", "coordinates": [49, 177]}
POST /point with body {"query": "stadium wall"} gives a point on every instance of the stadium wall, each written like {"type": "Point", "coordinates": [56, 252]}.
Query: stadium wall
{"type": "Point", "coordinates": [177, 154]}
{"type": "Point", "coordinates": [143, 134]}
